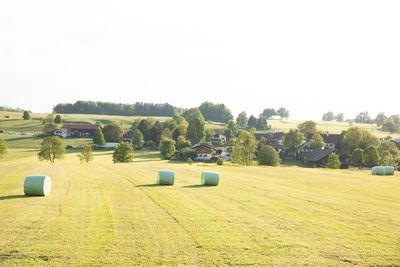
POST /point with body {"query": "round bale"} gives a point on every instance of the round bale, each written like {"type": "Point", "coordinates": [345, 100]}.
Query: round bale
{"type": "Point", "coordinates": [389, 170]}
{"type": "Point", "coordinates": [38, 185]}
{"type": "Point", "coordinates": [166, 177]}
{"type": "Point", "coordinates": [378, 170]}
{"type": "Point", "coordinates": [209, 178]}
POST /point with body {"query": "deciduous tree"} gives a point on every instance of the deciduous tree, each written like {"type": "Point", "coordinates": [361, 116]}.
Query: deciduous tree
{"type": "Point", "coordinates": [51, 148]}
{"type": "Point", "coordinates": [244, 150]}
{"type": "Point", "coordinates": [317, 141]}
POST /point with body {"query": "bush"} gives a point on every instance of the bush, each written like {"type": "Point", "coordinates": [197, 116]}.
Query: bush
{"type": "Point", "coordinates": [123, 153]}
{"type": "Point", "coordinates": [187, 153]}
{"type": "Point", "coordinates": [333, 161]}
{"type": "Point", "coordinates": [268, 156]}
{"type": "Point", "coordinates": [189, 161]}
{"type": "Point", "coordinates": [220, 162]}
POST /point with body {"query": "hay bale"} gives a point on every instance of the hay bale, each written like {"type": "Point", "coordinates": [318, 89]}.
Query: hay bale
{"type": "Point", "coordinates": [389, 170]}
{"type": "Point", "coordinates": [378, 170]}
{"type": "Point", "coordinates": [166, 177]}
{"type": "Point", "coordinates": [38, 185]}
{"type": "Point", "coordinates": [209, 178]}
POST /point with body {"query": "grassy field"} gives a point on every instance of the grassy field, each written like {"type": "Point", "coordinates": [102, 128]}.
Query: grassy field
{"type": "Point", "coordinates": [101, 214]}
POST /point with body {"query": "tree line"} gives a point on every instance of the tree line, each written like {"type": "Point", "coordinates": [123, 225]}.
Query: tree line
{"type": "Point", "coordinates": [389, 123]}
{"type": "Point", "coordinates": [107, 108]}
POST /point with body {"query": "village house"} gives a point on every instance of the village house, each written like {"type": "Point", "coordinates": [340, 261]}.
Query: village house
{"type": "Point", "coordinates": [273, 139]}
{"type": "Point", "coordinates": [76, 130]}
{"type": "Point", "coordinates": [396, 141]}
{"type": "Point", "coordinates": [204, 152]}
{"type": "Point", "coordinates": [218, 139]}
{"type": "Point", "coordinates": [334, 141]}
{"type": "Point", "coordinates": [318, 157]}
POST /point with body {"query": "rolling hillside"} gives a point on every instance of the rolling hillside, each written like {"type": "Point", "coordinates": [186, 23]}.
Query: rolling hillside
{"type": "Point", "coordinates": [112, 214]}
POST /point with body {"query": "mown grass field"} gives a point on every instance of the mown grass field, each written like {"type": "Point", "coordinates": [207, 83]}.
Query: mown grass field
{"type": "Point", "coordinates": [103, 214]}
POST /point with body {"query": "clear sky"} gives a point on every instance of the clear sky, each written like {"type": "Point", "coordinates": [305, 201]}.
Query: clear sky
{"type": "Point", "coordinates": [308, 56]}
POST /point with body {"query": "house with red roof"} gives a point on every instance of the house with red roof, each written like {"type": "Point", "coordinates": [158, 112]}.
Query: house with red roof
{"type": "Point", "coordinates": [77, 130]}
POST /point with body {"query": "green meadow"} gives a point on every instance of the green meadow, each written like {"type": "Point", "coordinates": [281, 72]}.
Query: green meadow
{"type": "Point", "coordinates": [105, 214]}
{"type": "Point", "coordinates": [102, 214]}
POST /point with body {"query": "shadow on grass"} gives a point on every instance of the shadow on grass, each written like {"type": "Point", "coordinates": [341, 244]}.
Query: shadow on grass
{"type": "Point", "coordinates": [197, 186]}
{"type": "Point", "coordinates": [13, 197]}
{"type": "Point", "coordinates": [292, 163]}
{"type": "Point", "coordinates": [152, 185]}
{"type": "Point", "coordinates": [146, 156]}
{"type": "Point", "coordinates": [175, 161]}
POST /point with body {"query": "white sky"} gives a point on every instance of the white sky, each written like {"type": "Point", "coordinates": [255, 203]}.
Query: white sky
{"type": "Point", "coordinates": [308, 56]}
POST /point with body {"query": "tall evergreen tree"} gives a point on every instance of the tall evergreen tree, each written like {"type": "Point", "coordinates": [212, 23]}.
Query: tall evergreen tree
{"type": "Point", "coordinates": [98, 137]}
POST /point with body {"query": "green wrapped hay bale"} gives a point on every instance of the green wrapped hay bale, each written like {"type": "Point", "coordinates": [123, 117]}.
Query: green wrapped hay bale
{"type": "Point", "coordinates": [378, 170]}
{"type": "Point", "coordinates": [209, 178]}
{"type": "Point", "coordinates": [166, 177]}
{"type": "Point", "coordinates": [389, 170]}
{"type": "Point", "coordinates": [39, 185]}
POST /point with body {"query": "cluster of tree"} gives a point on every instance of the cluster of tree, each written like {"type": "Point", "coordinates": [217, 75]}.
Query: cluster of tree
{"type": "Point", "coordinates": [367, 150]}
{"type": "Point", "coordinates": [260, 123]}
{"type": "Point", "coordinates": [307, 128]}
{"type": "Point", "coordinates": [107, 108]}
{"type": "Point", "coordinates": [50, 124]}
{"type": "Point", "coordinates": [391, 124]}
{"type": "Point", "coordinates": [215, 112]}
{"type": "Point", "coordinates": [247, 149]}
{"type": "Point", "coordinates": [330, 116]}
{"type": "Point", "coordinates": [363, 117]}
{"type": "Point", "coordinates": [244, 122]}
{"type": "Point", "coordinates": [270, 112]}
{"type": "Point", "coordinates": [4, 108]}
{"type": "Point", "coordinates": [373, 156]}
{"type": "Point", "coordinates": [388, 123]}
